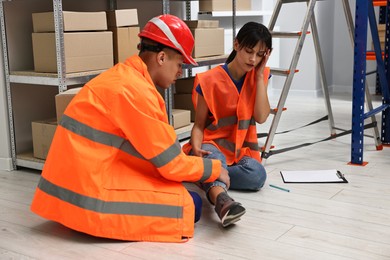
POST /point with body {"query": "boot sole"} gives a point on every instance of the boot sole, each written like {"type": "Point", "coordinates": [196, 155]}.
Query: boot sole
{"type": "Point", "coordinates": [233, 215]}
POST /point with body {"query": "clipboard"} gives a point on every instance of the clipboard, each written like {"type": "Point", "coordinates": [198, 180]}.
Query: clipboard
{"type": "Point", "coordinates": [317, 176]}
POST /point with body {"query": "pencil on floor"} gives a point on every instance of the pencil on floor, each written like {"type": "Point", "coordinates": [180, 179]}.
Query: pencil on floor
{"type": "Point", "coordinates": [280, 188]}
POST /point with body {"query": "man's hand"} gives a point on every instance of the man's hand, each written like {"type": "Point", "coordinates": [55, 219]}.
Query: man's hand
{"type": "Point", "coordinates": [224, 177]}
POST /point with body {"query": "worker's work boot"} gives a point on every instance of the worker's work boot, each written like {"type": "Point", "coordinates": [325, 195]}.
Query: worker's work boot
{"type": "Point", "coordinates": [228, 210]}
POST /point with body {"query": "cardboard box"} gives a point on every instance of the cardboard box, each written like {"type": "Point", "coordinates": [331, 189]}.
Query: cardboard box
{"type": "Point", "coordinates": [42, 135]}
{"type": "Point", "coordinates": [224, 5]}
{"type": "Point", "coordinates": [122, 17]}
{"type": "Point", "coordinates": [184, 85]}
{"type": "Point", "coordinates": [63, 99]}
{"type": "Point", "coordinates": [125, 42]}
{"type": "Point", "coordinates": [181, 118]}
{"type": "Point", "coordinates": [184, 101]}
{"type": "Point", "coordinates": [202, 24]}
{"type": "Point", "coordinates": [382, 35]}
{"type": "Point", "coordinates": [84, 51]}
{"type": "Point", "coordinates": [72, 21]}
{"type": "Point", "coordinates": [208, 42]}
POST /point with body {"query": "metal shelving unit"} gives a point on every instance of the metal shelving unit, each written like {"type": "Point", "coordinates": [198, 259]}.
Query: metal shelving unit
{"type": "Point", "coordinates": [62, 80]}
{"type": "Point", "coordinates": [365, 13]}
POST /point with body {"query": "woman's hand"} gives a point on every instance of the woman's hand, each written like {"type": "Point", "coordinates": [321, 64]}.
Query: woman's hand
{"type": "Point", "coordinates": [200, 152]}
{"type": "Point", "coordinates": [260, 67]}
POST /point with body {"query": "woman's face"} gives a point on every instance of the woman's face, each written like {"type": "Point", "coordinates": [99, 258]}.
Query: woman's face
{"type": "Point", "coordinates": [249, 58]}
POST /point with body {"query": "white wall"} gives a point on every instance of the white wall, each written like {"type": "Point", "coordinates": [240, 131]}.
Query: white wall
{"type": "Point", "coordinates": [342, 51]}
{"type": "Point", "coordinates": [342, 71]}
{"type": "Point", "coordinates": [306, 81]}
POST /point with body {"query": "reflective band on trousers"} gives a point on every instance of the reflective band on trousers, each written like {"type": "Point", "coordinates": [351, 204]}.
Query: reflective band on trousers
{"type": "Point", "coordinates": [110, 207]}
{"type": "Point", "coordinates": [124, 145]}
{"type": "Point", "coordinates": [232, 120]}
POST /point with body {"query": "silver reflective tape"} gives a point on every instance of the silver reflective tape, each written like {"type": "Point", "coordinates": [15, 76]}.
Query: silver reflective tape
{"type": "Point", "coordinates": [167, 156]}
{"type": "Point", "coordinates": [117, 142]}
{"type": "Point", "coordinates": [208, 168]}
{"type": "Point", "coordinates": [98, 136]}
{"type": "Point", "coordinates": [226, 121]}
{"type": "Point", "coordinates": [244, 124]}
{"type": "Point", "coordinates": [226, 144]}
{"type": "Point", "coordinates": [252, 146]}
{"type": "Point", "coordinates": [110, 207]}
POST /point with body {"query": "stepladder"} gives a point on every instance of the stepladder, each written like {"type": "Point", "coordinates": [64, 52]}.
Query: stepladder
{"type": "Point", "coordinates": [308, 27]}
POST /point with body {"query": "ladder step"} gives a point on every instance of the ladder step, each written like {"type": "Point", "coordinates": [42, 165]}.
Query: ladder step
{"type": "Point", "coordinates": [281, 72]}
{"type": "Point", "coordinates": [275, 110]}
{"type": "Point", "coordinates": [287, 34]}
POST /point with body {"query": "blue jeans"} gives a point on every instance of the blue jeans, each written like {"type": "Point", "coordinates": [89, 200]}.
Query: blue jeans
{"type": "Point", "coordinates": [248, 174]}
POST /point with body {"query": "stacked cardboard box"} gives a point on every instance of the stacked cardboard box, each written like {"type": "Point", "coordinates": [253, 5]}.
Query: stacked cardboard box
{"type": "Point", "coordinates": [62, 101]}
{"type": "Point", "coordinates": [180, 118]}
{"type": "Point", "coordinates": [382, 35]}
{"type": "Point", "coordinates": [87, 43]}
{"type": "Point", "coordinates": [183, 95]}
{"type": "Point", "coordinates": [124, 25]}
{"type": "Point", "coordinates": [42, 135]}
{"type": "Point", "coordinates": [224, 5]}
{"type": "Point", "coordinates": [209, 38]}
{"type": "Point", "coordinates": [43, 130]}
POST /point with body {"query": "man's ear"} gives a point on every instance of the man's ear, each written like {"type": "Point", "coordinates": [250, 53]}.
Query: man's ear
{"type": "Point", "coordinates": [161, 56]}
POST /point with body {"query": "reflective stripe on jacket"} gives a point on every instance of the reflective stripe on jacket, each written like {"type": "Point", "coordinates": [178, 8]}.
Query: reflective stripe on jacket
{"type": "Point", "coordinates": [115, 167]}
{"type": "Point", "coordinates": [231, 127]}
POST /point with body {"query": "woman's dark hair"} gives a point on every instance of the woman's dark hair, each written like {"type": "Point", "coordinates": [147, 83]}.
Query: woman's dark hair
{"type": "Point", "coordinates": [250, 35]}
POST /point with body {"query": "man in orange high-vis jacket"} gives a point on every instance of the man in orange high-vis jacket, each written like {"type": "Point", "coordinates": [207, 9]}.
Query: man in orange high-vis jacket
{"type": "Point", "coordinates": [115, 167]}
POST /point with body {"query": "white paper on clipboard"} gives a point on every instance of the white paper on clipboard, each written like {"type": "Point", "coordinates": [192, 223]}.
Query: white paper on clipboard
{"type": "Point", "coordinates": [317, 176]}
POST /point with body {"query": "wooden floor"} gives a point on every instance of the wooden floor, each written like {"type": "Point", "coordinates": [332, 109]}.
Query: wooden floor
{"type": "Point", "coordinates": [312, 221]}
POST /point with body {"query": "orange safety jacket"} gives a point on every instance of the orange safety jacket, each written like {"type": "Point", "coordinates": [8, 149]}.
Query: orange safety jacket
{"type": "Point", "coordinates": [231, 126]}
{"type": "Point", "coordinates": [115, 167]}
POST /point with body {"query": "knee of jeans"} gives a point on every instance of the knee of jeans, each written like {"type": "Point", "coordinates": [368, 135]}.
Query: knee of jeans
{"type": "Point", "coordinates": [260, 180]}
{"type": "Point", "coordinates": [259, 177]}
{"type": "Point", "coordinates": [215, 153]}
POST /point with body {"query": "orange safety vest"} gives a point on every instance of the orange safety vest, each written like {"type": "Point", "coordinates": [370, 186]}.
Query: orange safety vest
{"type": "Point", "coordinates": [115, 167]}
{"type": "Point", "coordinates": [231, 127]}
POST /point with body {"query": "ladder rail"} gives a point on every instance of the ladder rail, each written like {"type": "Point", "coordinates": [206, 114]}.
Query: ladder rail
{"type": "Point", "coordinates": [275, 15]}
{"type": "Point", "coordinates": [323, 80]}
{"type": "Point", "coordinates": [288, 81]}
{"type": "Point", "coordinates": [349, 20]}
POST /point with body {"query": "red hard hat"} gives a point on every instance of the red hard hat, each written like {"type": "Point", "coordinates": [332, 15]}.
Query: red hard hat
{"type": "Point", "coordinates": [171, 31]}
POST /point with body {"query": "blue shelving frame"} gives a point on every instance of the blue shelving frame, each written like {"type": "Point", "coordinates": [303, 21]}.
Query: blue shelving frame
{"type": "Point", "coordinates": [365, 13]}
{"type": "Point", "coordinates": [385, 134]}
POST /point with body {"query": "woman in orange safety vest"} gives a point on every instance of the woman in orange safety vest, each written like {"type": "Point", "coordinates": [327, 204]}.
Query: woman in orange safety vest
{"type": "Point", "coordinates": [115, 167]}
{"type": "Point", "coordinates": [229, 99]}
